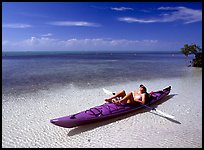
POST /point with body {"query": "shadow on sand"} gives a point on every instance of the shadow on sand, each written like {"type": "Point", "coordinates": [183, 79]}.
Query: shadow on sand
{"type": "Point", "coordinates": [94, 125]}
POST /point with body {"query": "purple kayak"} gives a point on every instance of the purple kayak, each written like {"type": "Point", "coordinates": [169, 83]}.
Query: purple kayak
{"type": "Point", "coordinates": [105, 111]}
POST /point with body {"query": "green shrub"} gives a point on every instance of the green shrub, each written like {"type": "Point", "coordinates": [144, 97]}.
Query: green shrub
{"type": "Point", "coordinates": [193, 49]}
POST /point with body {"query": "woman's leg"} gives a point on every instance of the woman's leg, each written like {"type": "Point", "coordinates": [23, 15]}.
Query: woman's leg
{"type": "Point", "coordinates": [128, 98]}
{"type": "Point", "coordinates": [119, 94]}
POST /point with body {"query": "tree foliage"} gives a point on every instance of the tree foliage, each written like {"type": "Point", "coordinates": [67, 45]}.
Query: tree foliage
{"type": "Point", "coordinates": [196, 50]}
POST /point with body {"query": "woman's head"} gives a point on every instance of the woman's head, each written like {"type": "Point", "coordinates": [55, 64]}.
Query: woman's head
{"type": "Point", "coordinates": [143, 89]}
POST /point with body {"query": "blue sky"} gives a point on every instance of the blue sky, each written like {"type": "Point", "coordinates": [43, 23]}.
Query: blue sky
{"type": "Point", "coordinates": [100, 26]}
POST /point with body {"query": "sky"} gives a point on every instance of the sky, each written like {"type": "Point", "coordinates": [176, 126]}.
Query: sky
{"type": "Point", "coordinates": [100, 26]}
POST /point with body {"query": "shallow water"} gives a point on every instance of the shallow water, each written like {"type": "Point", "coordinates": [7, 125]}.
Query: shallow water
{"type": "Point", "coordinates": [28, 73]}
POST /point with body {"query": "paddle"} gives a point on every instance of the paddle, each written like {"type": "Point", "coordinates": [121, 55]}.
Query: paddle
{"type": "Point", "coordinates": [151, 108]}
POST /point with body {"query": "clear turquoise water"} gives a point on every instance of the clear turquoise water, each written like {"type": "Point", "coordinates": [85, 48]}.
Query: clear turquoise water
{"type": "Point", "coordinates": [31, 71]}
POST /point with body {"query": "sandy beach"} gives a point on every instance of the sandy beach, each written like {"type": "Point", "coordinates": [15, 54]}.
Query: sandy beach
{"type": "Point", "coordinates": [57, 58]}
{"type": "Point", "coordinates": [25, 117]}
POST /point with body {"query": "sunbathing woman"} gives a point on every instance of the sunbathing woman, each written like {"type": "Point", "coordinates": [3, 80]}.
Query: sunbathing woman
{"type": "Point", "coordinates": [132, 97]}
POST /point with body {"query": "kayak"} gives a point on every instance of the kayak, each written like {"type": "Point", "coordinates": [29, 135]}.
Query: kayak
{"type": "Point", "coordinates": [106, 111]}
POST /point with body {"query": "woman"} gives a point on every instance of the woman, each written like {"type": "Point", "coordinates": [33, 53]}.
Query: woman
{"type": "Point", "coordinates": [135, 96]}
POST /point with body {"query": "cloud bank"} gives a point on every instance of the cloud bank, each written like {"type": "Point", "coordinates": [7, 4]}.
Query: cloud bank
{"type": "Point", "coordinates": [16, 25]}
{"type": "Point", "coordinates": [75, 23]}
{"type": "Point", "coordinates": [121, 8]}
{"type": "Point", "coordinates": [47, 43]}
{"type": "Point", "coordinates": [170, 14]}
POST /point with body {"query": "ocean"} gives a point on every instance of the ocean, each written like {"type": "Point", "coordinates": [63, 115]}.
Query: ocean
{"type": "Point", "coordinates": [30, 71]}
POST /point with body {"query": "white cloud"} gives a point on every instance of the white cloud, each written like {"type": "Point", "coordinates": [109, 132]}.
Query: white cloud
{"type": "Point", "coordinates": [46, 43]}
{"type": "Point", "coordinates": [75, 23]}
{"type": "Point", "coordinates": [121, 8]}
{"type": "Point", "coordinates": [103, 42]}
{"type": "Point", "coordinates": [184, 14]}
{"type": "Point", "coordinates": [43, 41]}
{"type": "Point", "coordinates": [5, 42]}
{"type": "Point", "coordinates": [131, 20]}
{"type": "Point", "coordinates": [15, 25]}
{"type": "Point", "coordinates": [150, 41]}
{"type": "Point", "coordinates": [170, 8]}
{"type": "Point", "coordinates": [46, 35]}
{"type": "Point", "coordinates": [85, 42]}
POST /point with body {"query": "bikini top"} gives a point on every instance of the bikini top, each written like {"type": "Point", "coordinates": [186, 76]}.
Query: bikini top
{"type": "Point", "coordinates": [137, 96]}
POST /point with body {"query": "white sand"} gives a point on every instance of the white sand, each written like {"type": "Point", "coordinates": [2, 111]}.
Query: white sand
{"type": "Point", "coordinates": [25, 118]}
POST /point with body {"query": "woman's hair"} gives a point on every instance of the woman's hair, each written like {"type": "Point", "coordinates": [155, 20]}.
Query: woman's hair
{"type": "Point", "coordinates": [142, 86]}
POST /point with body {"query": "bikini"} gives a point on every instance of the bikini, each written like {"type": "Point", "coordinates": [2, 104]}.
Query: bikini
{"type": "Point", "coordinates": [137, 96]}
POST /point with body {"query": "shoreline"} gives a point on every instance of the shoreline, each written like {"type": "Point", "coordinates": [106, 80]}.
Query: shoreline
{"type": "Point", "coordinates": [88, 52]}
{"type": "Point", "coordinates": [16, 90]}
{"type": "Point", "coordinates": [25, 117]}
